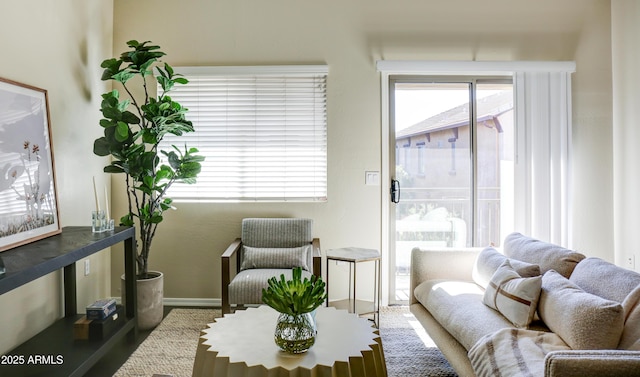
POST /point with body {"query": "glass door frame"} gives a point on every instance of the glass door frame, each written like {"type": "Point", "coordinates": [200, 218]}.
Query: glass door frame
{"type": "Point", "coordinates": [389, 163]}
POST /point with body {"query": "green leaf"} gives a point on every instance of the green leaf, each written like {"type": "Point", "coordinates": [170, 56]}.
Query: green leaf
{"type": "Point", "coordinates": [144, 67]}
{"type": "Point", "coordinates": [149, 137]}
{"type": "Point", "coordinates": [190, 169]}
{"type": "Point", "coordinates": [133, 43]}
{"type": "Point", "coordinates": [113, 169]}
{"type": "Point", "coordinates": [166, 204]}
{"type": "Point", "coordinates": [165, 172]}
{"type": "Point", "coordinates": [111, 113]}
{"type": "Point", "coordinates": [126, 220]}
{"type": "Point", "coordinates": [123, 76]}
{"type": "Point", "coordinates": [149, 181]}
{"type": "Point", "coordinates": [169, 69]}
{"type": "Point", "coordinates": [122, 131]}
{"type": "Point", "coordinates": [112, 67]}
{"type": "Point", "coordinates": [295, 296]}
{"type": "Point", "coordinates": [149, 160]}
{"type": "Point", "coordinates": [101, 147]}
{"type": "Point", "coordinates": [155, 219]}
{"type": "Point", "coordinates": [106, 123]}
{"type": "Point", "coordinates": [130, 118]}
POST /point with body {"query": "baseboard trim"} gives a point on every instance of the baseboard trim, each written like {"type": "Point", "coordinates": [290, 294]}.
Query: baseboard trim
{"type": "Point", "coordinates": [195, 302]}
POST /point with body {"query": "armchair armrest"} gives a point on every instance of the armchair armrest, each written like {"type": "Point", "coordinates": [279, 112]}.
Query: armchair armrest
{"type": "Point", "coordinates": [429, 264]}
{"type": "Point", "coordinates": [317, 257]}
{"type": "Point", "coordinates": [229, 253]}
{"type": "Point", "coordinates": [601, 363]}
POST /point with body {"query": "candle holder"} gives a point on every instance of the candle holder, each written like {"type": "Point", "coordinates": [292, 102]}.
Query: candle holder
{"type": "Point", "coordinates": [98, 221]}
{"type": "Point", "coordinates": [110, 225]}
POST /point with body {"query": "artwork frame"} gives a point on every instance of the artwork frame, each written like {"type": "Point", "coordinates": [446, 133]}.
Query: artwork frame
{"type": "Point", "coordinates": [29, 208]}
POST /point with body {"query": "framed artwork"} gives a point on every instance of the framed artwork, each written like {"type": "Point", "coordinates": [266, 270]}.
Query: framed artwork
{"type": "Point", "coordinates": [28, 197]}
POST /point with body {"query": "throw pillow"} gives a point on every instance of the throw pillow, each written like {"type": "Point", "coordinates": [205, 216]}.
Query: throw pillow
{"type": "Point", "coordinates": [630, 339]}
{"type": "Point", "coordinates": [584, 321]}
{"type": "Point", "coordinates": [263, 257]}
{"type": "Point", "coordinates": [488, 261]}
{"type": "Point", "coordinates": [513, 296]}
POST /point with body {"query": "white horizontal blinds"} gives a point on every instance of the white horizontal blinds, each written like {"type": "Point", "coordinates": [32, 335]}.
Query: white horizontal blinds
{"type": "Point", "coordinates": [264, 134]}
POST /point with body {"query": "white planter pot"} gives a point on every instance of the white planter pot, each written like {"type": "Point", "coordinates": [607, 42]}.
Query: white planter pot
{"type": "Point", "coordinates": [150, 295]}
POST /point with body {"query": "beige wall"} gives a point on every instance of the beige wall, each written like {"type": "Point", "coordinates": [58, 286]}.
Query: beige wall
{"type": "Point", "coordinates": [58, 46]}
{"type": "Point", "coordinates": [625, 18]}
{"type": "Point", "coordinates": [350, 36]}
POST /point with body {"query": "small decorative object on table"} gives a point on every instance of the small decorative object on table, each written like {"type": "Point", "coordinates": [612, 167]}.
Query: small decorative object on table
{"type": "Point", "coordinates": [295, 300]}
{"type": "Point", "coordinates": [101, 309]}
{"type": "Point", "coordinates": [101, 221]}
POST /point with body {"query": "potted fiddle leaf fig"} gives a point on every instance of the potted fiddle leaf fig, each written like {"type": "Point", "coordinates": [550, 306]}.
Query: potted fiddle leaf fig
{"type": "Point", "coordinates": [133, 128]}
{"type": "Point", "coordinates": [295, 300]}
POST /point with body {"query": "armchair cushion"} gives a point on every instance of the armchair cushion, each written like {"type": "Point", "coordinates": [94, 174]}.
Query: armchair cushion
{"type": "Point", "coordinates": [246, 287]}
{"type": "Point", "coordinates": [289, 257]}
{"type": "Point", "coordinates": [277, 232]}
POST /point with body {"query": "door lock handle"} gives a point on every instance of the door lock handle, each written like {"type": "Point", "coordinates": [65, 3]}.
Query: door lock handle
{"type": "Point", "coordinates": [395, 191]}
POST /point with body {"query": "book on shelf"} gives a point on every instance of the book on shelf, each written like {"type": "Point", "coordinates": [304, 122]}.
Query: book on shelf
{"type": "Point", "coordinates": [101, 309]}
{"type": "Point", "coordinates": [98, 329]}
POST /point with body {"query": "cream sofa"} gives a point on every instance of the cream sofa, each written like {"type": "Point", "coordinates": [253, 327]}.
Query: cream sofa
{"type": "Point", "coordinates": [583, 320]}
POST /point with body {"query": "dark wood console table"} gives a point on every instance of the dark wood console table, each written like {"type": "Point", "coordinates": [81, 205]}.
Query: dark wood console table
{"type": "Point", "coordinates": [54, 352]}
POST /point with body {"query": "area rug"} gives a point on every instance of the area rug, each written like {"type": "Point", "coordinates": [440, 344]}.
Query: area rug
{"type": "Point", "coordinates": [408, 349]}
{"type": "Point", "coordinates": [171, 347]}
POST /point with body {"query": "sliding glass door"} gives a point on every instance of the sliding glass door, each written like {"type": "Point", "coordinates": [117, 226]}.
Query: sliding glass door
{"type": "Point", "coordinates": [453, 153]}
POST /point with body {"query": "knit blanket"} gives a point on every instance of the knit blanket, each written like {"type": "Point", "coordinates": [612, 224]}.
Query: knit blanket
{"type": "Point", "coordinates": [512, 352]}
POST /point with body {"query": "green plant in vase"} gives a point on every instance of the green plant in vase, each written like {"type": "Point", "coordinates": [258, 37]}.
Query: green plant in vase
{"type": "Point", "coordinates": [134, 126]}
{"type": "Point", "coordinates": [295, 300]}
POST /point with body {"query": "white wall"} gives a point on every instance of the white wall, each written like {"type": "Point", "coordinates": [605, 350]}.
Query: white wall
{"type": "Point", "coordinates": [625, 20]}
{"type": "Point", "coordinates": [350, 36]}
{"type": "Point", "coordinates": [58, 46]}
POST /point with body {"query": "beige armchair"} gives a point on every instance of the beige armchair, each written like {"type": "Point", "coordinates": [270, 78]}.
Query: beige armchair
{"type": "Point", "coordinates": [267, 247]}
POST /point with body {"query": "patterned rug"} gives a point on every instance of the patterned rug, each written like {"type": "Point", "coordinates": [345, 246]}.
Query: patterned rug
{"type": "Point", "coordinates": [171, 347]}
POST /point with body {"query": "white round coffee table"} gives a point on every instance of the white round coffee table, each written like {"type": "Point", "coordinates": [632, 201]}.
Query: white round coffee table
{"type": "Point", "coordinates": [242, 344]}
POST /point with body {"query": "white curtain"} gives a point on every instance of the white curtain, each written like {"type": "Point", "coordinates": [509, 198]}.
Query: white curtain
{"type": "Point", "coordinates": [543, 157]}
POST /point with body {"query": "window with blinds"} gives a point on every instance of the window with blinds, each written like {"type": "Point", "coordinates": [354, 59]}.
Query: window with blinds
{"type": "Point", "coordinates": [262, 130]}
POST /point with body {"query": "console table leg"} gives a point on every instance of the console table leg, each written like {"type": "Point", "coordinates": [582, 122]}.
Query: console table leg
{"type": "Point", "coordinates": [130, 277]}
{"type": "Point", "coordinates": [70, 298]}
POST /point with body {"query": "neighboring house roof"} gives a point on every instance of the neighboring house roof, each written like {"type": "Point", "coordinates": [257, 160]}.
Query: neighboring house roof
{"type": "Point", "coordinates": [488, 108]}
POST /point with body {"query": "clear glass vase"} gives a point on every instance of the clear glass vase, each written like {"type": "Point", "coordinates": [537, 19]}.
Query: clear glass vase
{"type": "Point", "coordinates": [295, 333]}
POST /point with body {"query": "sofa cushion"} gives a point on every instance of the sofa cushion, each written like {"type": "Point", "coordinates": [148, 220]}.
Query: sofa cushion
{"type": "Point", "coordinates": [282, 257]}
{"type": "Point", "coordinates": [618, 284]}
{"type": "Point", "coordinates": [513, 296]}
{"type": "Point", "coordinates": [582, 320]}
{"type": "Point", "coordinates": [458, 307]}
{"type": "Point", "coordinates": [548, 256]}
{"type": "Point", "coordinates": [488, 261]}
